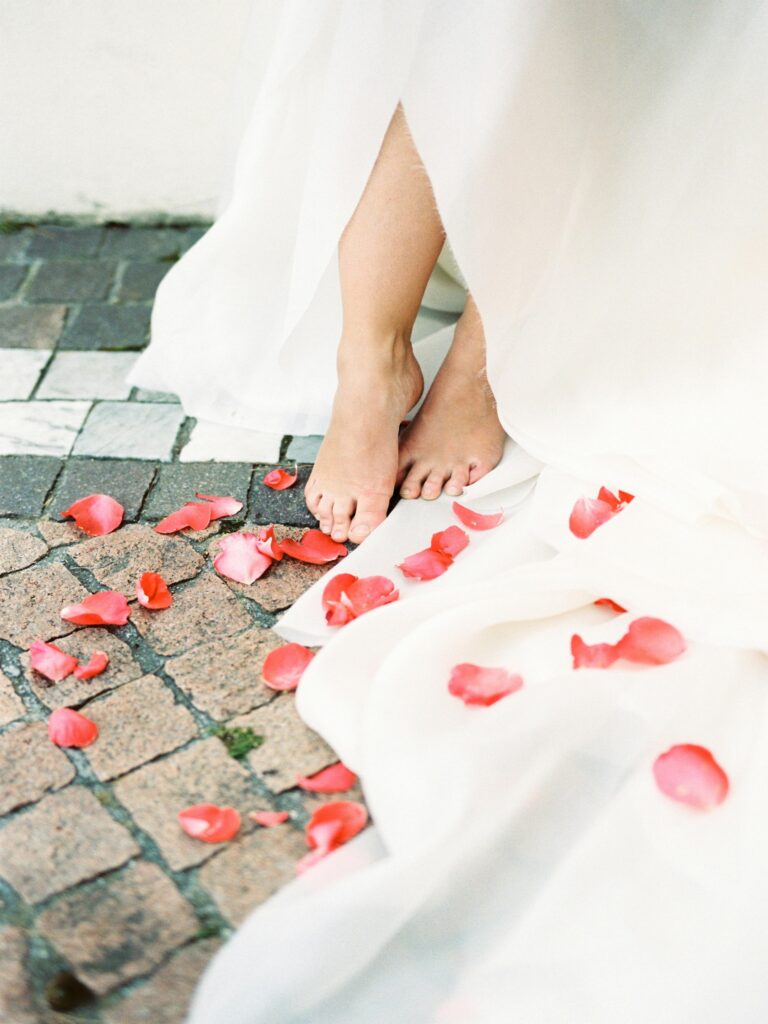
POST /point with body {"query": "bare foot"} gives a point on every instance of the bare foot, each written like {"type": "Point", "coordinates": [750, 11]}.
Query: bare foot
{"type": "Point", "coordinates": [456, 438]}
{"type": "Point", "coordinates": [354, 475]}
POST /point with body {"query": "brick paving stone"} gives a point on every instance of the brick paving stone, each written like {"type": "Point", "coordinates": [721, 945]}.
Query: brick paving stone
{"type": "Point", "coordinates": [126, 481]}
{"type": "Point", "coordinates": [40, 428]}
{"type": "Point", "coordinates": [19, 371]}
{"type": "Point", "coordinates": [251, 870]}
{"type": "Point", "coordinates": [11, 276]}
{"type": "Point", "coordinates": [13, 244]}
{"type": "Point", "coordinates": [19, 549]}
{"type": "Point", "coordinates": [119, 559]}
{"type": "Point", "coordinates": [54, 241]}
{"type": "Point", "coordinates": [87, 375]}
{"type": "Point", "coordinates": [136, 724]}
{"type": "Point", "coordinates": [30, 765]}
{"type": "Point", "coordinates": [177, 484]}
{"type": "Point", "coordinates": [108, 327]}
{"type": "Point", "coordinates": [130, 430]}
{"type": "Point", "coordinates": [70, 281]}
{"type": "Point", "coordinates": [27, 479]}
{"type": "Point", "coordinates": [205, 610]}
{"type": "Point", "coordinates": [143, 243]}
{"type": "Point", "coordinates": [31, 602]}
{"type": "Point", "coordinates": [16, 1001]}
{"type": "Point", "coordinates": [203, 773]}
{"type": "Point", "coordinates": [224, 678]}
{"type": "Point", "coordinates": [304, 449]}
{"type": "Point", "coordinates": [31, 326]}
{"type": "Point", "coordinates": [140, 280]}
{"type": "Point", "coordinates": [11, 705]}
{"type": "Point", "coordinates": [65, 839]}
{"type": "Point", "coordinates": [213, 442]}
{"type": "Point", "coordinates": [164, 999]}
{"type": "Point", "coordinates": [72, 692]}
{"type": "Point", "coordinates": [288, 507]}
{"type": "Point", "coordinates": [290, 747]}
{"type": "Point", "coordinates": [119, 927]}
{"type": "Point", "coordinates": [57, 534]}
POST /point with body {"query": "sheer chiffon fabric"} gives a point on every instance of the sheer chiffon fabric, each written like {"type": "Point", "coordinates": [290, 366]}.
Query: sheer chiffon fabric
{"type": "Point", "coordinates": [601, 172]}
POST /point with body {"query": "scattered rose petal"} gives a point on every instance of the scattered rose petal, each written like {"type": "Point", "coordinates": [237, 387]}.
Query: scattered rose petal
{"type": "Point", "coordinates": [475, 684]}
{"type": "Point", "coordinates": [68, 728]}
{"type": "Point", "coordinates": [269, 818]}
{"type": "Point", "coordinates": [346, 597]}
{"type": "Point", "coordinates": [194, 515]}
{"type": "Point", "coordinates": [240, 559]}
{"type": "Point", "coordinates": [589, 513]}
{"type": "Point", "coordinates": [268, 544]}
{"type": "Point", "coordinates": [50, 661]}
{"type": "Point", "coordinates": [336, 613]}
{"type": "Point", "coordinates": [152, 591]}
{"type": "Point", "coordinates": [651, 642]}
{"type": "Point", "coordinates": [221, 506]}
{"type": "Point", "coordinates": [209, 822]}
{"type": "Point", "coordinates": [280, 479]}
{"type": "Point", "coordinates": [107, 608]}
{"type": "Point", "coordinates": [450, 541]}
{"type": "Point", "coordinates": [336, 778]}
{"type": "Point", "coordinates": [96, 514]}
{"type": "Point", "coordinates": [609, 604]}
{"type": "Point", "coordinates": [425, 565]}
{"type": "Point", "coordinates": [690, 774]}
{"type": "Point", "coordinates": [477, 520]}
{"type": "Point", "coordinates": [284, 667]}
{"type": "Point", "coordinates": [331, 826]}
{"type": "Point", "coordinates": [315, 547]}
{"type": "Point", "coordinates": [592, 655]}
{"type": "Point", "coordinates": [96, 665]}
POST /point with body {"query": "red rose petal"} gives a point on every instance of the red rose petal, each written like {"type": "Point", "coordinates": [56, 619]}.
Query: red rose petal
{"type": "Point", "coordinates": [450, 541]}
{"type": "Point", "coordinates": [315, 547]}
{"type": "Point", "coordinates": [331, 826]}
{"type": "Point", "coordinates": [625, 497]}
{"type": "Point", "coordinates": [268, 544]}
{"type": "Point", "coordinates": [651, 642]}
{"type": "Point", "coordinates": [210, 823]}
{"type": "Point", "coordinates": [269, 818]}
{"type": "Point", "coordinates": [280, 479]}
{"type": "Point", "coordinates": [96, 665]}
{"type": "Point", "coordinates": [609, 498]}
{"type": "Point", "coordinates": [337, 613]}
{"type": "Point", "coordinates": [425, 565]}
{"type": "Point", "coordinates": [346, 597]}
{"type": "Point", "coordinates": [334, 779]}
{"type": "Point", "coordinates": [587, 515]}
{"type": "Point", "coordinates": [152, 591]}
{"type": "Point", "coordinates": [50, 661]}
{"type": "Point", "coordinates": [68, 728]}
{"type": "Point", "coordinates": [240, 559]}
{"type": "Point", "coordinates": [592, 655]}
{"type": "Point", "coordinates": [284, 667]}
{"type": "Point", "coordinates": [107, 608]}
{"type": "Point", "coordinates": [221, 506]}
{"type": "Point", "coordinates": [192, 516]}
{"type": "Point", "coordinates": [96, 514]}
{"type": "Point", "coordinates": [477, 520]}
{"type": "Point", "coordinates": [690, 774]}
{"type": "Point", "coordinates": [609, 604]}
{"type": "Point", "coordinates": [475, 684]}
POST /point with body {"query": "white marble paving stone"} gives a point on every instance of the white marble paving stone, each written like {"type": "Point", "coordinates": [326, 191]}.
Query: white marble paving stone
{"type": "Point", "coordinates": [304, 449]}
{"type": "Point", "coordinates": [19, 370]}
{"type": "Point", "coordinates": [211, 442]}
{"type": "Point", "coordinates": [40, 428]}
{"type": "Point", "coordinates": [130, 430]}
{"type": "Point", "coordinates": [88, 375]}
{"type": "Point", "coordinates": [143, 395]}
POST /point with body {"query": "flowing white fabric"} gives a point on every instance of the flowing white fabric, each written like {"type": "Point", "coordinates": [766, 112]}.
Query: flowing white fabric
{"type": "Point", "coordinates": [601, 171]}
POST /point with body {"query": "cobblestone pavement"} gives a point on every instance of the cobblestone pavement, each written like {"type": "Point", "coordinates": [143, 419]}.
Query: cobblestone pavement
{"type": "Point", "coordinates": [108, 912]}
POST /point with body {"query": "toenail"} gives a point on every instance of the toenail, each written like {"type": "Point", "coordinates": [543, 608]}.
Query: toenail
{"type": "Point", "coordinates": [453, 489]}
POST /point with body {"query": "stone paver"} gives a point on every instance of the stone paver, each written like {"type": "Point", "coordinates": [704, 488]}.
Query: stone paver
{"type": "Point", "coordinates": [16, 1004]}
{"type": "Point", "coordinates": [246, 874]}
{"type": "Point", "coordinates": [87, 375]}
{"type": "Point", "coordinates": [288, 507]}
{"type": "Point", "coordinates": [30, 765]}
{"type": "Point", "coordinates": [72, 692]}
{"type": "Point", "coordinates": [224, 678]}
{"type": "Point", "coordinates": [31, 326]}
{"type": "Point", "coordinates": [66, 838]}
{"type": "Point", "coordinates": [14, 244]}
{"type": "Point", "coordinates": [27, 481]}
{"type": "Point", "coordinates": [144, 243]}
{"type": "Point", "coordinates": [177, 484]}
{"type": "Point", "coordinates": [209, 441]}
{"type": "Point", "coordinates": [203, 773]}
{"type": "Point", "coordinates": [53, 241]}
{"type": "Point", "coordinates": [126, 481]}
{"type": "Point", "coordinates": [19, 549]}
{"type": "Point", "coordinates": [19, 371]}
{"type": "Point", "coordinates": [56, 534]}
{"type": "Point", "coordinates": [11, 705]}
{"type": "Point", "coordinates": [165, 998]}
{"type": "Point", "coordinates": [40, 428]}
{"type": "Point", "coordinates": [70, 281]}
{"type": "Point", "coordinates": [290, 747]}
{"type": "Point", "coordinates": [119, 927]}
{"type": "Point", "coordinates": [119, 559]}
{"type": "Point", "coordinates": [31, 602]}
{"type": "Point", "coordinates": [136, 724]}
{"type": "Point", "coordinates": [304, 449]}
{"type": "Point", "coordinates": [145, 395]}
{"type": "Point", "coordinates": [11, 277]}
{"type": "Point", "coordinates": [107, 327]}
{"type": "Point", "coordinates": [204, 610]}
{"type": "Point", "coordinates": [130, 430]}
{"type": "Point", "coordinates": [140, 280]}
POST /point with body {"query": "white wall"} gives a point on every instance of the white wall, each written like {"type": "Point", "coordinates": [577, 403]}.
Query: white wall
{"type": "Point", "coordinates": [122, 108]}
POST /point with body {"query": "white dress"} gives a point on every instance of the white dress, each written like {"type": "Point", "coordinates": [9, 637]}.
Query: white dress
{"type": "Point", "coordinates": [601, 168]}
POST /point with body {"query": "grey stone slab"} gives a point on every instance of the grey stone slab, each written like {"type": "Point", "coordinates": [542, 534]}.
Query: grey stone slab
{"type": "Point", "coordinates": [140, 280]}
{"type": "Point", "coordinates": [178, 483]}
{"type": "Point", "coordinates": [54, 242]}
{"type": "Point", "coordinates": [113, 327]}
{"type": "Point", "coordinates": [124, 480]}
{"type": "Point", "coordinates": [143, 395]}
{"type": "Point", "coordinates": [287, 507]}
{"type": "Point", "coordinates": [71, 281]}
{"type": "Point", "coordinates": [304, 449]}
{"type": "Point", "coordinates": [143, 243]}
{"type": "Point", "coordinates": [13, 244]}
{"type": "Point", "coordinates": [193, 235]}
{"type": "Point", "coordinates": [87, 375]}
{"type": "Point", "coordinates": [30, 326]}
{"type": "Point", "coordinates": [11, 277]}
{"type": "Point", "coordinates": [40, 428]}
{"type": "Point", "coordinates": [20, 369]}
{"type": "Point", "coordinates": [130, 430]}
{"type": "Point", "coordinates": [217, 443]}
{"type": "Point", "coordinates": [25, 482]}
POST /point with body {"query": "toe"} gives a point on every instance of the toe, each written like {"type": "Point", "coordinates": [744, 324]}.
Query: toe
{"type": "Point", "coordinates": [371, 510]}
{"type": "Point", "coordinates": [324, 513]}
{"type": "Point", "coordinates": [312, 496]}
{"type": "Point", "coordinates": [458, 480]}
{"type": "Point", "coordinates": [411, 486]}
{"type": "Point", "coordinates": [477, 470]}
{"type": "Point", "coordinates": [342, 514]}
{"type": "Point", "coordinates": [433, 485]}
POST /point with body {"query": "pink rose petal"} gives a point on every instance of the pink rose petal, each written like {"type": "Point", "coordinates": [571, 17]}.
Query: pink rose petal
{"type": "Point", "coordinates": [651, 641]}
{"type": "Point", "coordinates": [97, 514]}
{"type": "Point", "coordinates": [336, 778]}
{"type": "Point", "coordinates": [690, 774]}
{"type": "Point", "coordinates": [107, 608]}
{"type": "Point", "coordinates": [269, 818]}
{"type": "Point", "coordinates": [425, 565]}
{"type": "Point", "coordinates": [284, 667]}
{"type": "Point", "coordinates": [240, 559]}
{"type": "Point", "coordinates": [477, 520]}
{"type": "Point", "coordinates": [50, 661]}
{"type": "Point", "coordinates": [192, 516]}
{"type": "Point", "coordinates": [152, 591]}
{"type": "Point", "coordinates": [280, 480]}
{"type": "Point", "coordinates": [68, 728]}
{"type": "Point", "coordinates": [268, 544]}
{"type": "Point", "coordinates": [221, 506]}
{"type": "Point", "coordinates": [315, 548]}
{"type": "Point", "coordinates": [210, 823]}
{"type": "Point", "coordinates": [475, 684]}
{"type": "Point", "coordinates": [450, 542]}
{"type": "Point", "coordinates": [96, 665]}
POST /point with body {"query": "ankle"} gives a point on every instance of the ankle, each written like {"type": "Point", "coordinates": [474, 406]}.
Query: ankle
{"type": "Point", "coordinates": [377, 352]}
